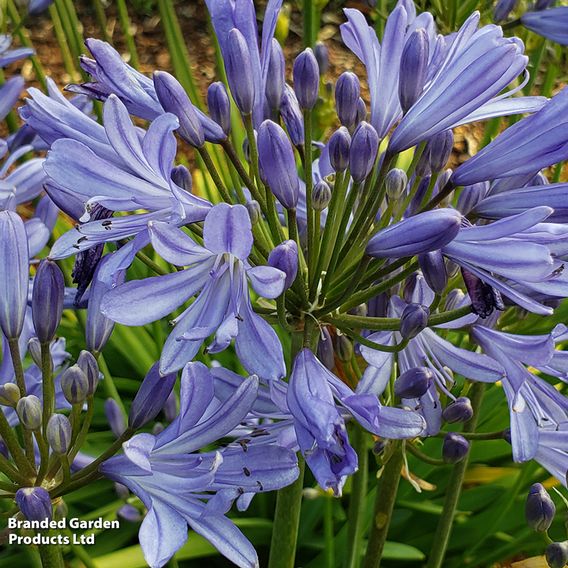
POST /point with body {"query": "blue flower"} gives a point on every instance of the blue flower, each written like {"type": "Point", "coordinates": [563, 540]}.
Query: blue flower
{"type": "Point", "coordinates": [551, 23]}
{"type": "Point", "coordinates": [220, 272]}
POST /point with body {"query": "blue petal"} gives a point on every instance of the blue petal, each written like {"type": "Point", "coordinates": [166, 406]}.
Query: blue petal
{"type": "Point", "coordinates": [227, 229]}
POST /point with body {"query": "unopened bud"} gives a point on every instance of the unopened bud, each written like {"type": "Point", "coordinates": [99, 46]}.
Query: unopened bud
{"type": "Point", "coordinates": [9, 394]}
{"type": "Point", "coordinates": [413, 383]}
{"type": "Point", "coordinates": [338, 147]}
{"type": "Point", "coordinates": [556, 554]}
{"type": "Point", "coordinates": [114, 417]}
{"type": "Point", "coordinates": [440, 149]}
{"type": "Point", "coordinates": [47, 300]}
{"type": "Point", "coordinates": [502, 10]}
{"type": "Point", "coordinates": [306, 79]}
{"type": "Point", "coordinates": [59, 433]}
{"type": "Point", "coordinates": [322, 57]}
{"type": "Point", "coordinates": [29, 411]}
{"type": "Point", "coordinates": [361, 111]}
{"type": "Point", "coordinates": [325, 349]}
{"type": "Point", "coordinates": [363, 151]}
{"type": "Point", "coordinates": [75, 385]}
{"type": "Point", "coordinates": [395, 183]}
{"type": "Point", "coordinates": [181, 176]}
{"type": "Point", "coordinates": [238, 66]}
{"type": "Point", "coordinates": [321, 195]}
{"type": "Point", "coordinates": [35, 503]}
{"type": "Point", "coordinates": [292, 116]}
{"type": "Point", "coordinates": [471, 195]}
{"type": "Point", "coordinates": [170, 408]}
{"type": "Point", "coordinates": [34, 349]}
{"type": "Point", "coordinates": [276, 77]}
{"type": "Point", "coordinates": [253, 209]}
{"type": "Point", "coordinates": [285, 258]}
{"type": "Point", "coordinates": [454, 448]}
{"type": "Point", "coordinates": [347, 91]}
{"type": "Point", "coordinates": [343, 348]}
{"type": "Point", "coordinates": [413, 68]}
{"type": "Point", "coordinates": [413, 320]}
{"type": "Point", "coordinates": [434, 271]}
{"type": "Point", "coordinates": [129, 513]}
{"type": "Point", "coordinates": [88, 364]}
{"type": "Point", "coordinates": [539, 508]}
{"type": "Point", "coordinates": [460, 410]}
{"type": "Point", "coordinates": [219, 106]}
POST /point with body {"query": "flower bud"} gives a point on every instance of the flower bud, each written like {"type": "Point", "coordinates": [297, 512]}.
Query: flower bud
{"type": "Point", "coordinates": [157, 428]}
{"type": "Point", "coordinates": [363, 151]}
{"type": "Point", "coordinates": [343, 348]}
{"type": "Point", "coordinates": [9, 394]}
{"type": "Point", "coordinates": [181, 176]}
{"type": "Point", "coordinates": [413, 383]}
{"type": "Point", "coordinates": [325, 349]}
{"type": "Point", "coordinates": [413, 68]}
{"type": "Point", "coordinates": [14, 273]}
{"type": "Point", "coordinates": [47, 300]}
{"type": "Point", "coordinates": [75, 384]}
{"type": "Point", "coordinates": [440, 149]}
{"type": "Point", "coordinates": [122, 491]}
{"type": "Point", "coordinates": [420, 233]}
{"type": "Point", "coordinates": [543, 4]}
{"type": "Point", "coordinates": [306, 79]}
{"type": "Point", "coordinates": [322, 57]}
{"type": "Point", "coordinates": [276, 160]}
{"type": "Point", "coordinates": [29, 410]}
{"type": "Point", "coordinates": [539, 508]}
{"type": "Point", "coordinates": [174, 99]}
{"type": "Point", "coordinates": [34, 349]}
{"type": "Point", "coordinates": [253, 209]}
{"type": "Point", "coordinates": [423, 166]}
{"type": "Point", "coordinates": [58, 433]}
{"type": "Point", "coordinates": [454, 448]}
{"type": "Point", "coordinates": [285, 257]}
{"type": "Point", "coordinates": [395, 183]}
{"type": "Point", "coordinates": [347, 91]}
{"type": "Point", "coordinates": [219, 106]}
{"type": "Point", "coordinates": [292, 116]}
{"type": "Point", "coordinates": [471, 195]}
{"type": "Point", "coordinates": [114, 417]}
{"type": "Point", "coordinates": [434, 270]}
{"type": "Point", "coordinates": [460, 410]}
{"type": "Point", "coordinates": [276, 78]}
{"type": "Point", "coordinates": [170, 407]}
{"type": "Point", "coordinates": [556, 554]}
{"type": "Point", "coordinates": [502, 10]}
{"type": "Point", "coordinates": [338, 147]}
{"type": "Point", "coordinates": [321, 195]}
{"type": "Point", "coordinates": [151, 397]}
{"type": "Point", "coordinates": [238, 66]}
{"type": "Point", "coordinates": [35, 503]}
{"type": "Point", "coordinates": [361, 111]}
{"type": "Point", "coordinates": [88, 364]}
{"type": "Point", "coordinates": [413, 320]}
{"type": "Point", "coordinates": [129, 513]}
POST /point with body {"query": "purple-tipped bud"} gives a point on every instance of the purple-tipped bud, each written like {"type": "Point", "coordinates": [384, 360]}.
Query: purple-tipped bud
{"type": "Point", "coordinates": [35, 503]}
{"type": "Point", "coordinates": [454, 448]}
{"type": "Point", "coordinates": [361, 110]}
{"type": "Point", "coordinates": [239, 71]}
{"type": "Point", "coordinates": [539, 508]}
{"type": "Point", "coordinates": [129, 513]}
{"type": "Point", "coordinates": [434, 270]}
{"type": "Point", "coordinates": [114, 417]}
{"type": "Point", "coordinates": [460, 410]}
{"type": "Point", "coordinates": [151, 397]}
{"type": "Point", "coordinates": [556, 554]}
{"type": "Point", "coordinates": [219, 106]}
{"type": "Point", "coordinates": [343, 348]}
{"type": "Point", "coordinates": [347, 90]}
{"type": "Point", "coordinates": [170, 407]}
{"type": "Point", "coordinates": [28, 410]}
{"type": "Point", "coordinates": [413, 320]}
{"type": "Point", "coordinates": [396, 181]}
{"type": "Point", "coordinates": [277, 163]}
{"type": "Point", "coordinates": [413, 68]}
{"type": "Point", "coordinates": [75, 385]}
{"type": "Point", "coordinates": [14, 273]}
{"type": "Point", "coordinates": [440, 149]}
{"type": "Point", "coordinates": [292, 116]}
{"type": "Point", "coordinates": [322, 57]}
{"type": "Point", "coordinates": [338, 147]}
{"type": "Point", "coordinates": [420, 233]}
{"type": "Point", "coordinates": [306, 79]}
{"type": "Point", "coordinates": [253, 209]}
{"type": "Point", "coordinates": [502, 10]}
{"type": "Point", "coordinates": [471, 195]}
{"type": "Point", "coordinates": [285, 258]}
{"type": "Point", "coordinates": [325, 349]}
{"type": "Point", "coordinates": [363, 151]}
{"type": "Point", "coordinates": [88, 364]}
{"type": "Point", "coordinates": [9, 394]}
{"type": "Point", "coordinates": [181, 176]}
{"type": "Point", "coordinates": [47, 300]}
{"type": "Point", "coordinates": [413, 383]}
{"type": "Point", "coordinates": [58, 433]}
{"type": "Point", "coordinates": [321, 195]}
{"type": "Point", "coordinates": [174, 99]}
{"type": "Point", "coordinates": [276, 78]}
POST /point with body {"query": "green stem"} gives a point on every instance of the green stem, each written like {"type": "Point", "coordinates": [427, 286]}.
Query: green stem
{"type": "Point", "coordinates": [384, 505]}
{"type": "Point", "coordinates": [225, 195]}
{"type": "Point", "coordinates": [453, 489]}
{"type": "Point", "coordinates": [47, 383]}
{"type": "Point", "coordinates": [50, 554]}
{"type": "Point", "coordinates": [286, 523]}
{"type": "Point", "coordinates": [10, 439]}
{"type": "Point", "coordinates": [356, 513]}
{"type": "Point", "coordinates": [14, 347]}
{"type": "Point", "coordinates": [127, 31]}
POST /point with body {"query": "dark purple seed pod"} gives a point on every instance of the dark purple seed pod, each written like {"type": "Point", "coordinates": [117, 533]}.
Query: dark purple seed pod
{"type": "Point", "coordinates": [434, 270]}
{"type": "Point", "coordinates": [276, 78]}
{"type": "Point", "coordinates": [413, 320]}
{"type": "Point", "coordinates": [413, 383]}
{"type": "Point", "coordinates": [459, 410]}
{"type": "Point", "coordinates": [219, 106]}
{"type": "Point", "coordinates": [363, 151]}
{"type": "Point", "coordinates": [338, 147]}
{"type": "Point", "coordinates": [306, 79]}
{"type": "Point", "coordinates": [238, 66]}
{"type": "Point", "coordinates": [47, 300]}
{"type": "Point", "coordinates": [34, 503]}
{"type": "Point", "coordinates": [539, 508]}
{"type": "Point", "coordinates": [284, 257]}
{"type": "Point", "coordinates": [454, 448]}
{"type": "Point", "coordinates": [347, 90]}
{"type": "Point", "coordinates": [413, 68]}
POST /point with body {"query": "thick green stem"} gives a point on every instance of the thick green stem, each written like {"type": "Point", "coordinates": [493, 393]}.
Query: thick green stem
{"type": "Point", "coordinates": [453, 489]}
{"type": "Point", "coordinates": [47, 384]}
{"type": "Point", "coordinates": [50, 554]}
{"type": "Point", "coordinates": [384, 505]}
{"type": "Point", "coordinates": [286, 523]}
{"type": "Point", "coordinates": [127, 31]}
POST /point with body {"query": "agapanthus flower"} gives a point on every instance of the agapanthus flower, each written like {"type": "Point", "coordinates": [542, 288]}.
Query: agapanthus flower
{"type": "Point", "coordinates": [551, 24]}
{"type": "Point", "coordinates": [220, 271]}
{"type": "Point", "coordinates": [180, 486]}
